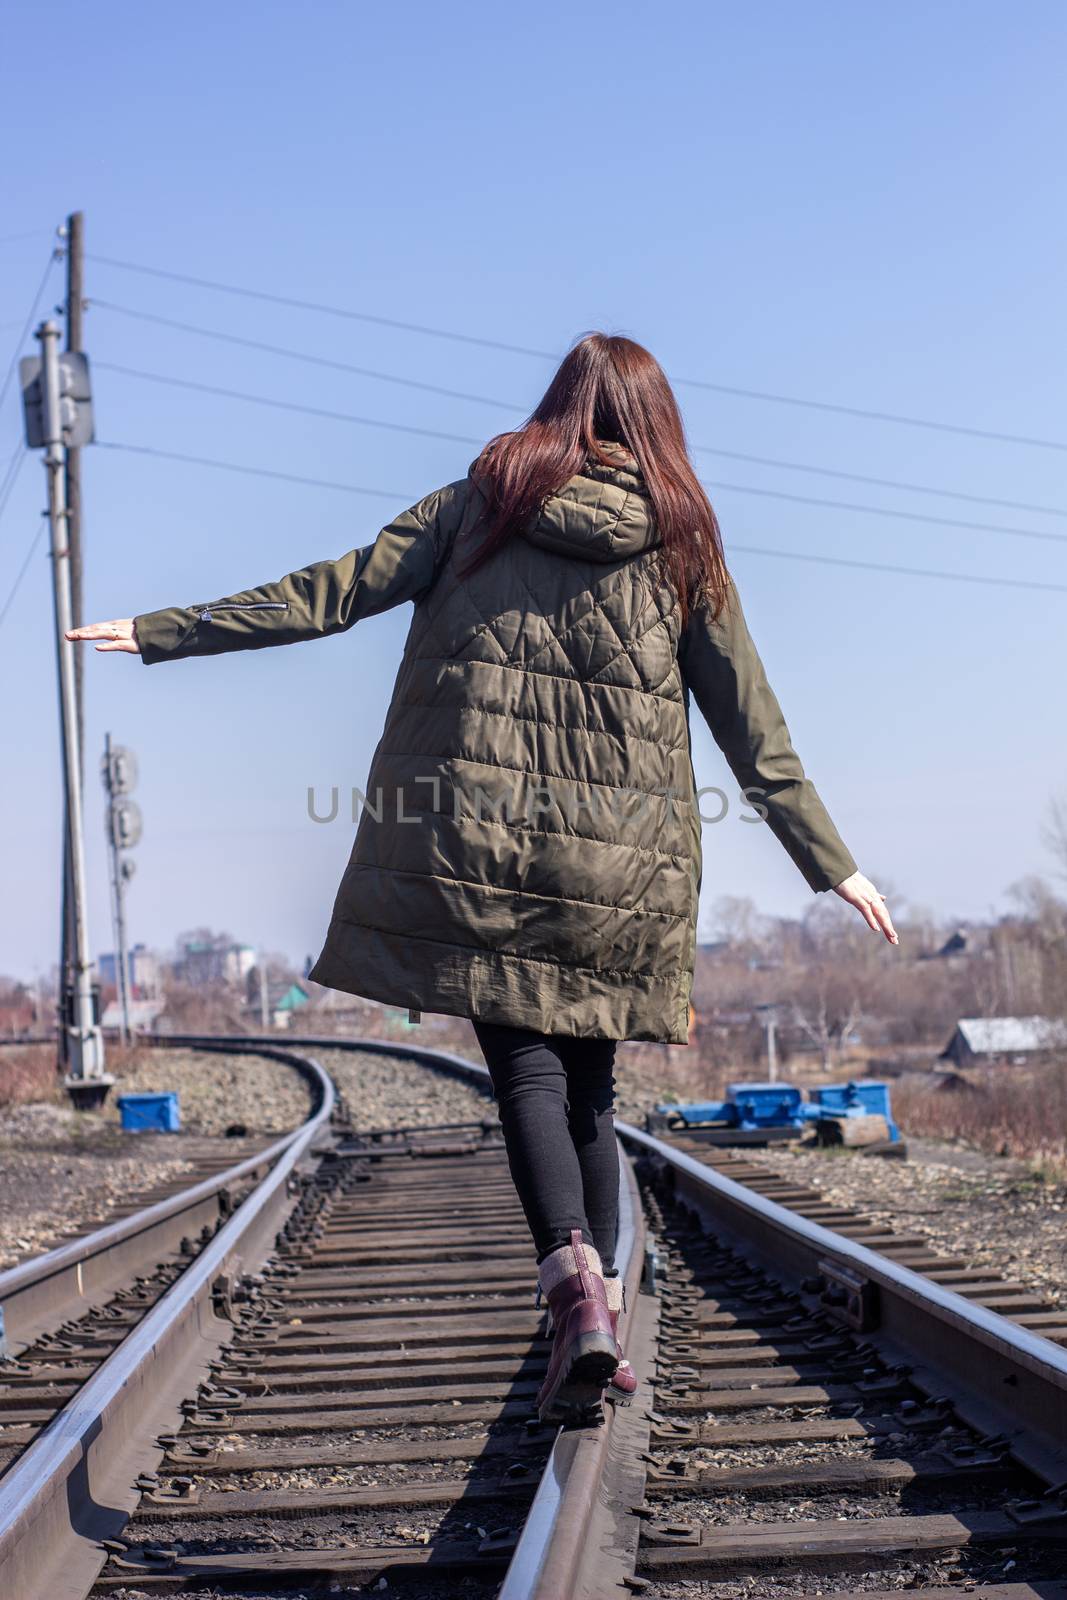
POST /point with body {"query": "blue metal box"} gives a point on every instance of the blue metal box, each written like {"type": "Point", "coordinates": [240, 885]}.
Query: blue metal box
{"type": "Point", "coordinates": [867, 1097]}
{"type": "Point", "coordinates": [157, 1112]}
{"type": "Point", "coordinates": [765, 1105]}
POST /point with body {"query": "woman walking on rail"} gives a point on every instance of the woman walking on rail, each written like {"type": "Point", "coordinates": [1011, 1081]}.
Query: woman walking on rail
{"type": "Point", "coordinates": [531, 857]}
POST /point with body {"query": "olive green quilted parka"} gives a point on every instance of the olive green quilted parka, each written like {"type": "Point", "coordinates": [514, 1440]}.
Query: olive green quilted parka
{"type": "Point", "coordinates": [530, 849]}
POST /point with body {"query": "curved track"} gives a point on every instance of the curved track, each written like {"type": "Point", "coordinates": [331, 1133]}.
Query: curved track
{"type": "Point", "coordinates": [836, 1411]}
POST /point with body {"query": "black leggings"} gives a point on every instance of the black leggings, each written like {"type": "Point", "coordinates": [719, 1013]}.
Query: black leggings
{"type": "Point", "coordinates": [555, 1096]}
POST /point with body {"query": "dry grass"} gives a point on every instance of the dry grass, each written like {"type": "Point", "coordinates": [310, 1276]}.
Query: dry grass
{"type": "Point", "coordinates": [28, 1073]}
{"type": "Point", "coordinates": [1008, 1111]}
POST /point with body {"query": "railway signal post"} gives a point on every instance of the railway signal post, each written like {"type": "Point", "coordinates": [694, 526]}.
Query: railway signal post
{"type": "Point", "coordinates": [123, 826]}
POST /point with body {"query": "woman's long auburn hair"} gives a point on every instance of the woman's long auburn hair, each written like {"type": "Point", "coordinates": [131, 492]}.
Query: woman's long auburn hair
{"type": "Point", "coordinates": [607, 389]}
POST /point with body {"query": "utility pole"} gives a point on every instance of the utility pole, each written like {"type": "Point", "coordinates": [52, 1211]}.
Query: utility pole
{"type": "Point", "coordinates": [772, 1049]}
{"type": "Point", "coordinates": [75, 248]}
{"type": "Point", "coordinates": [75, 341]}
{"type": "Point", "coordinates": [123, 827]}
{"type": "Point", "coordinates": [769, 1017]}
{"type": "Point", "coordinates": [57, 409]}
{"type": "Point", "coordinates": [264, 1007]}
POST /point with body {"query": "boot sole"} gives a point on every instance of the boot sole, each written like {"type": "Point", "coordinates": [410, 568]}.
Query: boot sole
{"type": "Point", "coordinates": [618, 1397]}
{"type": "Point", "coordinates": [580, 1388]}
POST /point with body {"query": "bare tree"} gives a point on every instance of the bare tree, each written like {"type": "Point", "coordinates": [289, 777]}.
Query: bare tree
{"type": "Point", "coordinates": [1054, 833]}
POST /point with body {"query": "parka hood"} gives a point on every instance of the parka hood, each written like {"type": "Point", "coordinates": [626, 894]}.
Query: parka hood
{"type": "Point", "coordinates": [602, 514]}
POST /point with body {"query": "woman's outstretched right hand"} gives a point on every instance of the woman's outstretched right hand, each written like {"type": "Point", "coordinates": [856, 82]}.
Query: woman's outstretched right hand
{"type": "Point", "coordinates": [119, 634]}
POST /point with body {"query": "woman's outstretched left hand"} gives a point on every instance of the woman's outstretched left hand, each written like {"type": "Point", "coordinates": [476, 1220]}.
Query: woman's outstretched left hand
{"type": "Point", "coordinates": [120, 634]}
{"type": "Point", "coordinates": [861, 893]}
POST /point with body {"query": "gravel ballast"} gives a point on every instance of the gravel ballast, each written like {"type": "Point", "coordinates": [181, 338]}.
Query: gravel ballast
{"type": "Point", "coordinates": [64, 1171]}
{"type": "Point", "coordinates": [990, 1211]}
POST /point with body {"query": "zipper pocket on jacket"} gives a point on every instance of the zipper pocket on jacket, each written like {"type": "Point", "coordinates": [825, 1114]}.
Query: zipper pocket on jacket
{"type": "Point", "coordinates": [243, 605]}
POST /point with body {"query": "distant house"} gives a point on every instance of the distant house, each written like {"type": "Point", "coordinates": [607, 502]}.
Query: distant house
{"type": "Point", "coordinates": [957, 948]}
{"type": "Point", "coordinates": [337, 1009]}
{"type": "Point", "coordinates": [143, 1015]}
{"type": "Point", "coordinates": [294, 998]}
{"type": "Point", "coordinates": [980, 1041]}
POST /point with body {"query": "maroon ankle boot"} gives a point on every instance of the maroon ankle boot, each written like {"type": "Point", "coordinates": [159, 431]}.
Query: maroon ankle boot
{"type": "Point", "coordinates": [623, 1384]}
{"type": "Point", "coordinates": [585, 1355]}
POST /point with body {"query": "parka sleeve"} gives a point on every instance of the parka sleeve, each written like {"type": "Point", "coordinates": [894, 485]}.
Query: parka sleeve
{"type": "Point", "coordinates": [722, 669]}
{"type": "Point", "coordinates": [318, 600]}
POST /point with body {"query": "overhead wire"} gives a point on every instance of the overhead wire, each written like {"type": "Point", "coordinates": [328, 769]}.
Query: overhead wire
{"type": "Point", "coordinates": [861, 412]}
{"type": "Point", "coordinates": [318, 361]}
{"type": "Point", "coordinates": [10, 478]}
{"type": "Point", "coordinates": [272, 403]}
{"type": "Point", "coordinates": [27, 325]}
{"type": "Point", "coordinates": [16, 238]}
{"type": "Point", "coordinates": [343, 366]}
{"type": "Point", "coordinates": [25, 567]}
{"type": "Point", "coordinates": [745, 549]}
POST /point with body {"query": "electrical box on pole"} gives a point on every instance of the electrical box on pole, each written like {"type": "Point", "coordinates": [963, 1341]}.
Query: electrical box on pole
{"type": "Point", "coordinates": [75, 400]}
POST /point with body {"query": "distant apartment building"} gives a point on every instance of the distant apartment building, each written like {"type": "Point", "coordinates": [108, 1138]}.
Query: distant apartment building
{"type": "Point", "coordinates": [144, 971]}
{"type": "Point", "coordinates": [217, 960]}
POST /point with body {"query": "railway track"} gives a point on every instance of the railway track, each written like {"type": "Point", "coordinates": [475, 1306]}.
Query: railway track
{"type": "Point", "coordinates": [336, 1393]}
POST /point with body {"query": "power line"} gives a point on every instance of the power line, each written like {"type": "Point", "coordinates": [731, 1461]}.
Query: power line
{"type": "Point", "coordinates": [282, 405]}
{"type": "Point", "coordinates": [743, 549]}
{"type": "Point", "coordinates": [11, 472]}
{"type": "Point", "coordinates": [348, 417]}
{"type": "Point", "coordinates": [910, 572]}
{"type": "Point", "coordinates": [252, 472]}
{"type": "Point", "coordinates": [886, 511]}
{"type": "Point", "coordinates": [10, 468]}
{"type": "Point", "coordinates": [16, 238]}
{"type": "Point", "coordinates": [333, 311]}
{"type": "Point", "coordinates": [733, 455]}
{"type": "Point", "coordinates": [28, 324]}
{"type": "Point", "coordinates": [25, 567]}
{"type": "Point", "coordinates": [863, 413]}
{"type": "Point", "coordinates": [302, 355]}
{"type": "Point", "coordinates": [882, 483]}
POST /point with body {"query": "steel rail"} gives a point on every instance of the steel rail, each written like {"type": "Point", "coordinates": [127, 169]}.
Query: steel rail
{"type": "Point", "coordinates": [1000, 1376]}
{"type": "Point", "coordinates": [73, 1486]}
{"type": "Point", "coordinates": [575, 1540]}
{"type": "Point", "coordinates": [570, 1542]}
{"type": "Point", "coordinates": [38, 1295]}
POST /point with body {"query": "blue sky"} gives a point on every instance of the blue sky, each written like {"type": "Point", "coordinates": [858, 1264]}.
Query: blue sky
{"type": "Point", "coordinates": [857, 205]}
